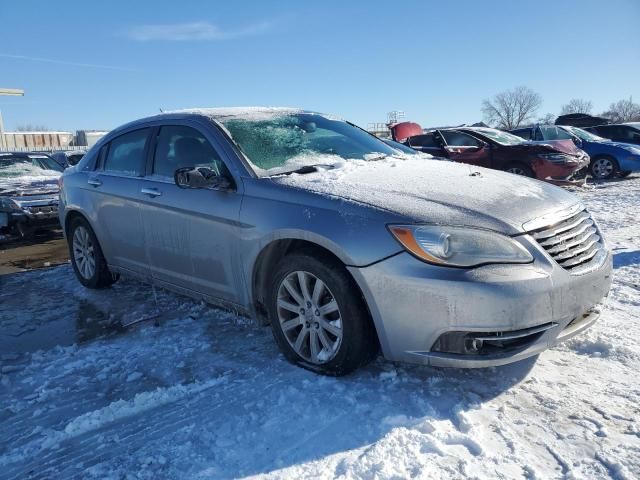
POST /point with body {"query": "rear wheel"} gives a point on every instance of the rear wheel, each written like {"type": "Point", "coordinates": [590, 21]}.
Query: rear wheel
{"type": "Point", "coordinates": [318, 315]}
{"type": "Point", "coordinates": [603, 168]}
{"type": "Point", "coordinates": [520, 169]}
{"type": "Point", "coordinates": [88, 262]}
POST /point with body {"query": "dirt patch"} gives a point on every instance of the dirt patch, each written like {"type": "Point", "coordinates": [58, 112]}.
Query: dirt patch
{"type": "Point", "coordinates": [44, 250]}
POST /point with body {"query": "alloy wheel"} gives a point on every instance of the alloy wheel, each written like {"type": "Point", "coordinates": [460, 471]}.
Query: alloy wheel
{"type": "Point", "coordinates": [602, 167]}
{"type": "Point", "coordinates": [309, 317]}
{"type": "Point", "coordinates": [84, 253]}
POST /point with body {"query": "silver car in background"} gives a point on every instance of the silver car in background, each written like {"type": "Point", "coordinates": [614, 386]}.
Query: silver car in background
{"type": "Point", "coordinates": [342, 243]}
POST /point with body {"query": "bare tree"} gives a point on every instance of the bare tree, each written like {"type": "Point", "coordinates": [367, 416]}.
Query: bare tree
{"type": "Point", "coordinates": [546, 119]}
{"type": "Point", "coordinates": [512, 108]}
{"type": "Point", "coordinates": [577, 105]}
{"type": "Point", "coordinates": [623, 111]}
{"type": "Point", "coordinates": [31, 128]}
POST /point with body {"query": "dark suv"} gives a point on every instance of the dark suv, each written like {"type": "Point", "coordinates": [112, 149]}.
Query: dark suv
{"type": "Point", "coordinates": [556, 162]}
{"type": "Point", "coordinates": [624, 132]}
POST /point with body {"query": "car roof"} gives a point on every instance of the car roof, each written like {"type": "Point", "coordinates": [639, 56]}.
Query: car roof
{"type": "Point", "coordinates": [215, 114]}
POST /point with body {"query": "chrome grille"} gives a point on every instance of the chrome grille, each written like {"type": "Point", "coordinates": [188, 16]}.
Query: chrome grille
{"type": "Point", "coordinates": [571, 242]}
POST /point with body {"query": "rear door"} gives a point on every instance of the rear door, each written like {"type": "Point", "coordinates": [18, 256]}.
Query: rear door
{"type": "Point", "coordinates": [115, 194]}
{"type": "Point", "coordinates": [191, 233]}
{"type": "Point", "coordinates": [462, 147]}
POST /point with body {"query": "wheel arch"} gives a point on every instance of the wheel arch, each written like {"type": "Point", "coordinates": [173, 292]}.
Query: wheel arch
{"type": "Point", "coordinates": [276, 250]}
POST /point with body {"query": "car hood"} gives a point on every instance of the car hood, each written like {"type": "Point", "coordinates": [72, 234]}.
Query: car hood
{"type": "Point", "coordinates": [21, 187]}
{"type": "Point", "coordinates": [564, 146]}
{"type": "Point", "coordinates": [626, 146]}
{"type": "Point", "coordinates": [438, 191]}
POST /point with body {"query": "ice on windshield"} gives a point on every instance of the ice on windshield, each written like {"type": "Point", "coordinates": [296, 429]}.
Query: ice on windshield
{"type": "Point", "coordinates": [584, 135]}
{"type": "Point", "coordinates": [12, 168]}
{"type": "Point", "coordinates": [287, 142]}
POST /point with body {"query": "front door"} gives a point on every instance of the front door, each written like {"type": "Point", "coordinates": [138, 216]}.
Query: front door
{"type": "Point", "coordinates": [190, 233]}
{"type": "Point", "coordinates": [462, 147]}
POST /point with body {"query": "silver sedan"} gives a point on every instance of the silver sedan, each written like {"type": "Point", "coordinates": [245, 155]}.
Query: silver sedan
{"type": "Point", "coordinates": [344, 244]}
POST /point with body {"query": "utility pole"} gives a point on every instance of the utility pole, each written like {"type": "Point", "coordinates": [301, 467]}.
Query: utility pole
{"type": "Point", "coordinates": [12, 92]}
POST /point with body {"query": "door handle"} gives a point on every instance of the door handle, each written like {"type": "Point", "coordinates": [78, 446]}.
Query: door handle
{"type": "Point", "coordinates": [94, 181]}
{"type": "Point", "coordinates": [152, 192]}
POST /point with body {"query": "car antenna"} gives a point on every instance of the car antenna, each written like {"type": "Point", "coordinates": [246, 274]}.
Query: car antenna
{"type": "Point", "coordinates": [161, 111]}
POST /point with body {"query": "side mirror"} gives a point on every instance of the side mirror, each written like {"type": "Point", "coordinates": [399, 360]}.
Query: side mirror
{"type": "Point", "coordinates": [577, 141]}
{"type": "Point", "coordinates": [200, 177]}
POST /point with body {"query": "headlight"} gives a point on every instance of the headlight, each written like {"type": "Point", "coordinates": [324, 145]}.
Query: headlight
{"type": "Point", "coordinates": [8, 205]}
{"type": "Point", "coordinates": [556, 157]}
{"type": "Point", "coordinates": [459, 246]}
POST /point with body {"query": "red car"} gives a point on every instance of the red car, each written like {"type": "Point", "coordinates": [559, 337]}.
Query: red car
{"type": "Point", "coordinates": [555, 161]}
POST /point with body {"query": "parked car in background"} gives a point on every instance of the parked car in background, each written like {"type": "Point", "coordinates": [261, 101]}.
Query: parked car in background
{"type": "Point", "coordinates": [342, 243]}
{"type": "Point", "coordinates": [580, 120]}
{"type": "Point", "coordinates": [622, 132]}
{"type": "Point", "coordinates": [608, 158]}
{"type": "Point", "coordinates": [399, 146]}
{"type": "Point", "coordinates": [491, 148]}
{"type": "Point", "coordinates": [28, 192]}
{"type": "Point", "coordinates": [67, 158]}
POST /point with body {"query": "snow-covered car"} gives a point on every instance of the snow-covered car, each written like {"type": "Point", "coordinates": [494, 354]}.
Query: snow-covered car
{"type": "Point", "coordinates": [67, 158]}
{"type": "Point", "coordinates": [344, 244]}
{"type": "Point", "coordinates": [28, 192]}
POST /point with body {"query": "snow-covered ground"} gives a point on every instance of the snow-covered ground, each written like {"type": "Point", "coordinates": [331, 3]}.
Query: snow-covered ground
{"type": "Point", "coordinates": [205, 394]}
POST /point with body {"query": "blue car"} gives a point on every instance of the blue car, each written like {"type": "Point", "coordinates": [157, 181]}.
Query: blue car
{"type": "Point", "coordinates": [608, 159]}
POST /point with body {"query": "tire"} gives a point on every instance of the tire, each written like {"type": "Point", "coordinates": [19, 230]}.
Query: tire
{"type": "Point", "coordinates": [335, 315]}
{"type": "Point", "coordinates": [624, 173]}
{"type": "Point", "coordinates": [603, 167]}
{"type": "Point", "coordinates": [520, 169]}
{"type": "Point", "coordinates": [86, 256]}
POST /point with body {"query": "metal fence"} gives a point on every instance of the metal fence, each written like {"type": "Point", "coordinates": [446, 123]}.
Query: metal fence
{"type": "Point", "coordinates": [67, 148]}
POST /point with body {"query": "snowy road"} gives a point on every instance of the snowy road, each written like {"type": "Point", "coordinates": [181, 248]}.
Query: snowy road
{"type": "Point", "coordinates": [206, 394]}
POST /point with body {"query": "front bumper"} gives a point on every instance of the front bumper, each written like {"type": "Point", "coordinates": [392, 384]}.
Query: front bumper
{"type": "Point", "coordinates": [413, 303]}
{"type": "Point", "coordinates": [561, 174]}
{"type": "Point", "coordinates": [31, 217]}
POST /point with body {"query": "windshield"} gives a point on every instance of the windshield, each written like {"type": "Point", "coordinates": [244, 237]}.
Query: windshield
{"type": "Point", "coordinates": [284, 143]}
{"type": "Point", "coordinates": [33, 165]}
{"type": "Point", "coordinates": [584, 135]}
{"type": "Point", "coordinates": [503, 138]}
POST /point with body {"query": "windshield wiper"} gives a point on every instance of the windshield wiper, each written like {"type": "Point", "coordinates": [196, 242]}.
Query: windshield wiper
{"type": "Point", "coordinates": [307, 169]}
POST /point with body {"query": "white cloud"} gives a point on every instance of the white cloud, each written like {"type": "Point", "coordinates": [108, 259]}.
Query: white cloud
{"type": "Point", "coordinates": [196, 31]}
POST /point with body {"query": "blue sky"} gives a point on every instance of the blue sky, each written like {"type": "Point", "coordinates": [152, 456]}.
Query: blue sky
{"type": "Point", "coordinates": [96, 65]}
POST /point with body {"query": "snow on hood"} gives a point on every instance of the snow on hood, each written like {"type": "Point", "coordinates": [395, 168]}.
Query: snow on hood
{"type": "Point", "coordinates": [433, 191]}
{"type": "Point", "coordinates": [45, 183]}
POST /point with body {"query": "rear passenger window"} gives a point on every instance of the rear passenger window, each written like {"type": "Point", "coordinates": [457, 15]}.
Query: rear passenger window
{"type": "Point", "coordinates": [179, 147]}
{"type": "Point", "coordinates": [126, 153]}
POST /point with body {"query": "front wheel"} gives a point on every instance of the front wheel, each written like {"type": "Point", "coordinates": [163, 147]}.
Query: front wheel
{"type": "Point", "coordinates": [318, 315]}
{"type": "Point", "coordinates": [87, 260]}
{"type": "Point", "coordinates": [520, 169]}
{"type": "Point", "coordinates": [603, 168]}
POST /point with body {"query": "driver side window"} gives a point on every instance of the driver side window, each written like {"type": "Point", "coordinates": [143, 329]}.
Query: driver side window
{"type": "Point", "coordinates": [180, 146]}
{"type": "Point", "coordinates": [459, 139]}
